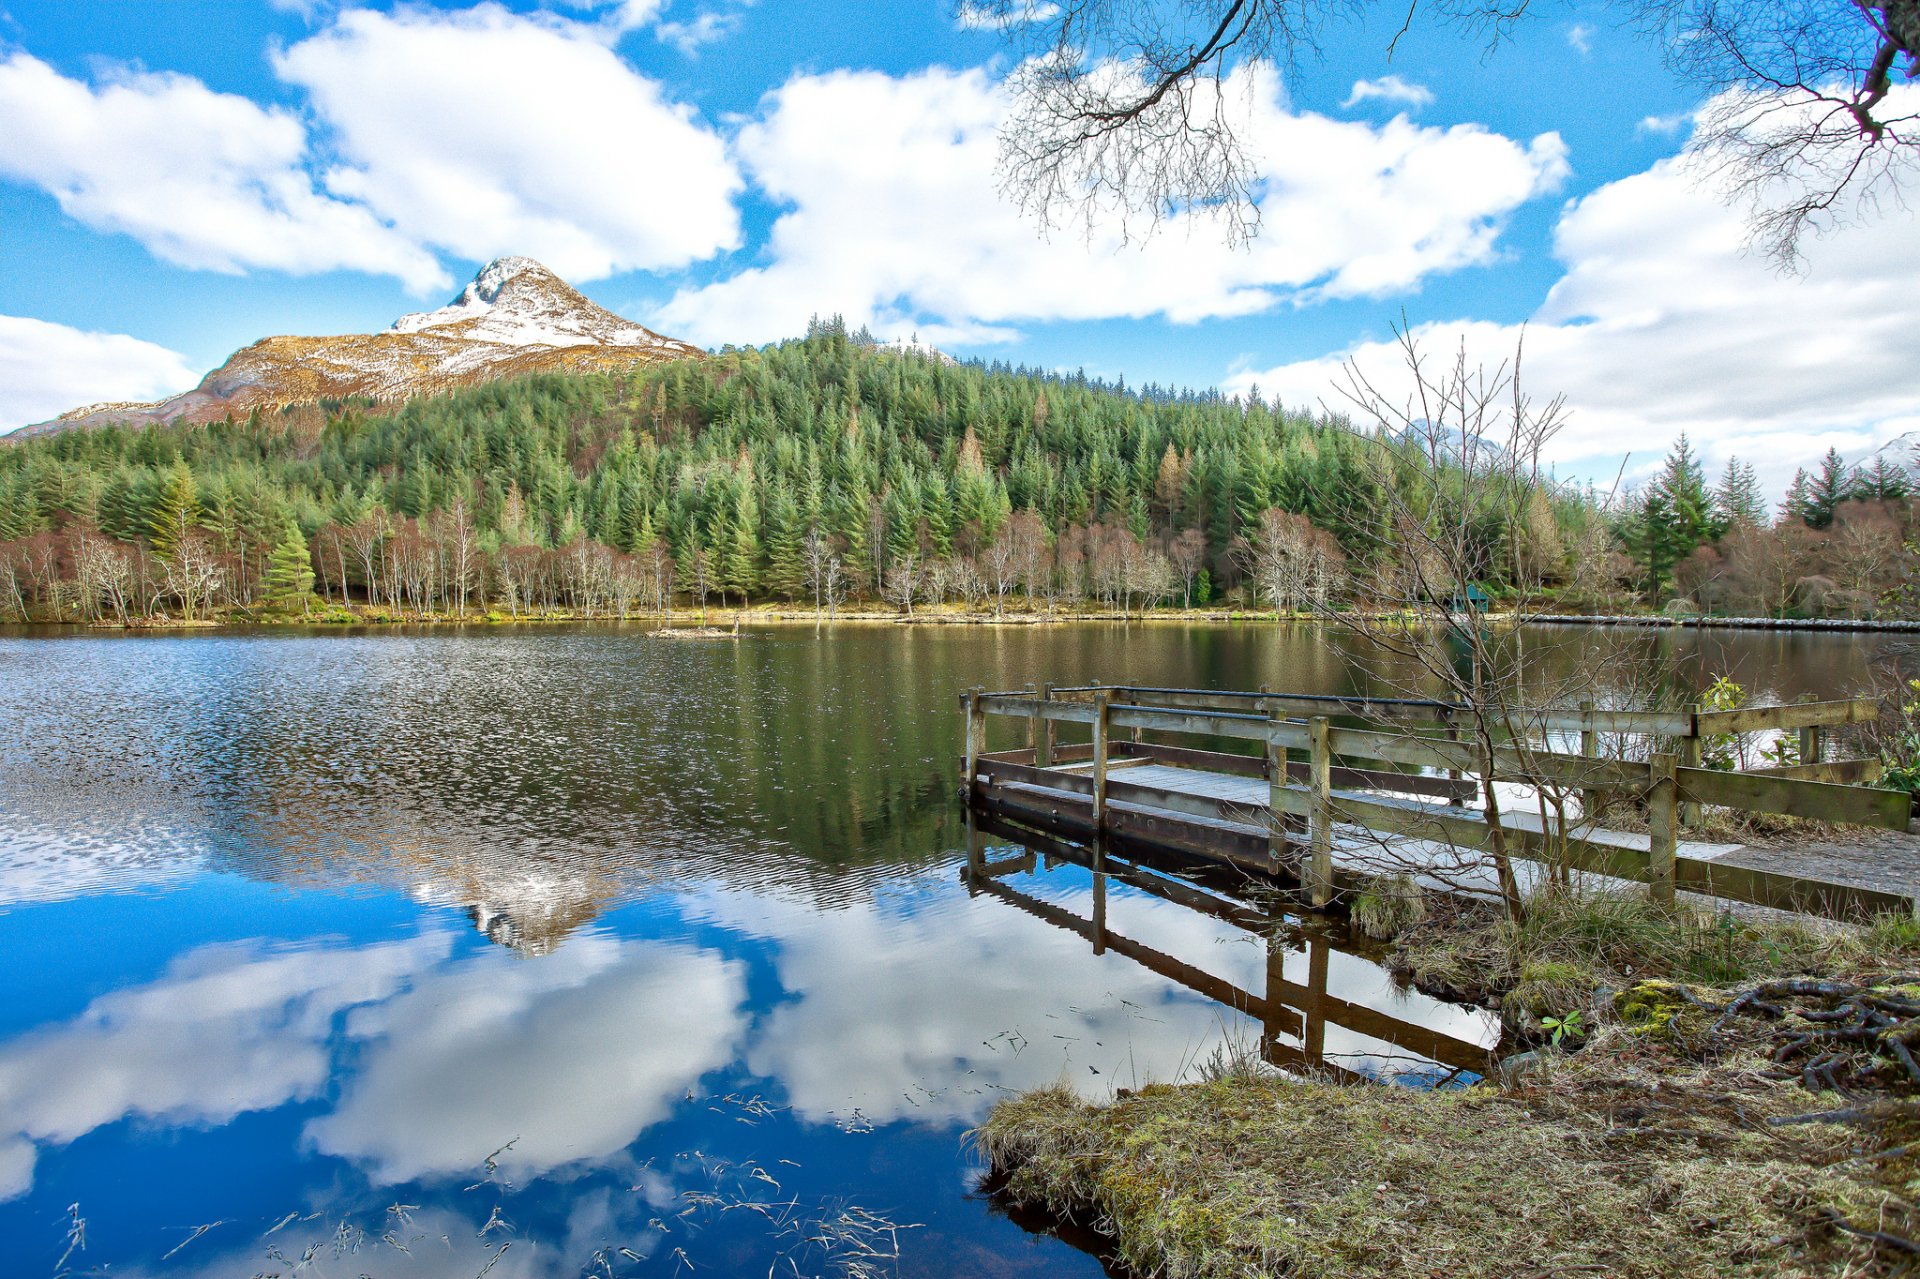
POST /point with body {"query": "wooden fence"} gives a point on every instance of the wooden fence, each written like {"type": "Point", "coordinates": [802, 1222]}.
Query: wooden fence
{"type": "Point", "coordinates": [1409, 769]}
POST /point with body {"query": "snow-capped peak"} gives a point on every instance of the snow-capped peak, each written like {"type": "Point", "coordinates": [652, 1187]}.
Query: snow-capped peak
{"type": "Point", "coordinates": [515, 301]}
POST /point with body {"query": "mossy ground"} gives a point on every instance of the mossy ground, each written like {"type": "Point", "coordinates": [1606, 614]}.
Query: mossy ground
{"type": "Point", "coordinates": [1654, 1151]}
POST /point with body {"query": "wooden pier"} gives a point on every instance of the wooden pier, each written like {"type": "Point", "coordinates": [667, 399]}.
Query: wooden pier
{"type": "Point", "coordinates": [1339, 790]}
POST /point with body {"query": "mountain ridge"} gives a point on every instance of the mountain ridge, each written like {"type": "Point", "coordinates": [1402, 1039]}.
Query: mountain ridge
{"type": "Point", "coordinates": [514, 318]}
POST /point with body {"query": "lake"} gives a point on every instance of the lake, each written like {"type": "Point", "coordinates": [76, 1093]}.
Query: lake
{"type": "Point", "coordinates": [574, 951]}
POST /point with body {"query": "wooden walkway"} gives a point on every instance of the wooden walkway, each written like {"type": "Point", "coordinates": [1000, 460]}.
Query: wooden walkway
{"type": "Point", "coordinates": [1372, 801]}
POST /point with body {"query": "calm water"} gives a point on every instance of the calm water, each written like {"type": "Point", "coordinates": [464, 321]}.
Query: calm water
{"type": "Point", "coordinates": [569, 952]}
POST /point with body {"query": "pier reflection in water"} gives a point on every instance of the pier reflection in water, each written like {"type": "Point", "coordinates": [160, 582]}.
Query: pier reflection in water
{"type": "Point", "coordinates": [1325, 1006]}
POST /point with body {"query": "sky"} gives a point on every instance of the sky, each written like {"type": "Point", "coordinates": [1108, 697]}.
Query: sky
{"type": "Point", "coordinates": [181, 177]}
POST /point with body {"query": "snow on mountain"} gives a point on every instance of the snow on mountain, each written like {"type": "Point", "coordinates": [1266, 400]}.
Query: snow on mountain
{"type": "Point", "coordinates": [516, 317]}
{"type": "Point", "coordinates": [1901, 449]}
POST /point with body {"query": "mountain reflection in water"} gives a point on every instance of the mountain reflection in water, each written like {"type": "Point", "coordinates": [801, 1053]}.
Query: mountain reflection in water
{"type": "Point", "coordinates": [572, 952]}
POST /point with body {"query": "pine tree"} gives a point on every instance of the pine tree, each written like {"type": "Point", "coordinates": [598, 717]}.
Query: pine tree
{"type": "Point", "coordinates": [1794, 505]}
{"type": "Point", "coordinates": [290, 571]}
{"type": "Point", "coordinates": [175, 515]}
{"type": "Point", "coordinates": [1884, 481]}
{"type": "Point", "coordinates": [1736, 500]}
{"type": "Point", "coordinates": [1826, 491]}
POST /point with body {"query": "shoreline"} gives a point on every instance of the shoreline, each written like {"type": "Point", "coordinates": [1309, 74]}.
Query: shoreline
{"type": "Point", "coordinates": [763, 615]}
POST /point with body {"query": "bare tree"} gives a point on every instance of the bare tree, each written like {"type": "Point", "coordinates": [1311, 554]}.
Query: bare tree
{"type": "Point", "coordinates": [1188, 555]}
{"type": "Point", "coordinates": [904, 576]}
{"type": "Point", "coordinates": [1139, 110]}
{"type": "Point", "coordinates": [1466, 444]}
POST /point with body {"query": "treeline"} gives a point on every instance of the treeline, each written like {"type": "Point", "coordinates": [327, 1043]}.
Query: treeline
{"type": "Point", "coordinates": [819, 472]}
{"type": "Point", "coordinates": [816, 471]}
{"type": "Point", "coordinates": [1845, 541]}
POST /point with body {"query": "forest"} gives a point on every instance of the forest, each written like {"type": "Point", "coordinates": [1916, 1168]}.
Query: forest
{"type": "Point", "coordinates": [833, 471]}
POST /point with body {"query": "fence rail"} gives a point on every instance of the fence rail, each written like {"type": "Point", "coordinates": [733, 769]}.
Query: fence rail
{"type": "Point", "coordinates": [1412, 771]}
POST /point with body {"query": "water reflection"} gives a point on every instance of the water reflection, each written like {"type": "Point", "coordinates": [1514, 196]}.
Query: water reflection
{"type": "Point", "coordinates": [1317, 1003]}
{"type": "Point", "coordinates": [625, 941]}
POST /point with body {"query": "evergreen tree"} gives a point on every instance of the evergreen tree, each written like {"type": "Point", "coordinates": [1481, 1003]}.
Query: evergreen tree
{"type": "Point", "coordinates": [1826, 491]}
{"type": "Point", "coordinates": [290, 571]}
{"type": "Point", "coordinates": [1736, 500]}
{"type": "Point", "coordinates": [1884, 481]}
{"type": "Point", "coordinates": [176, 513]}
{"type": "Point", "coordinates": [1675, 517]}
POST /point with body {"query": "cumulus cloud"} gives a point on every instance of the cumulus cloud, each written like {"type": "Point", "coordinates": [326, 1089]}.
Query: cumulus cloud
{"type": "Point", "coordinates": [574, 1056]}
{"type": "Point", "coordinates": [523, 134]}
{"type": "Point", "coordinates": [46, 369]}
{"type": "Point", "coordinates": [1663, 323]}
{"type": "Point", "coordinates": [1389, 88]}
{"type": "Point", "coordinates": [894, 220]}
{"type": "Point", "coordinates": [206, 180]}
{"type": "Point", "coordinates": [226, 1030]}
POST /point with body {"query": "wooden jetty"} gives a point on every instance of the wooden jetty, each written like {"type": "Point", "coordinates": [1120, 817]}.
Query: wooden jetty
{"type": "Point", "coordinates": [1338, 790]}
{"type": "Point", "coordinates": [1294, 1016]}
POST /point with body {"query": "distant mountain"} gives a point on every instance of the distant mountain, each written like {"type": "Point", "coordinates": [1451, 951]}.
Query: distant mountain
{"type": "Point", "coordinates": [516, 317]}
{"type": "Point", "coordinates": [1902, 449]}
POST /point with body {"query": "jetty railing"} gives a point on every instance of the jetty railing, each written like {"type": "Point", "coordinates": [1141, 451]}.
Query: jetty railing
{"type": "Point", "coordinates": [1409, 769]}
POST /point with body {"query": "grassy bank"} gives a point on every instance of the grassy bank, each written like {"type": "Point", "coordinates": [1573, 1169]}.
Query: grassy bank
{"type": "Point", "coordinates": [1703, 1114]}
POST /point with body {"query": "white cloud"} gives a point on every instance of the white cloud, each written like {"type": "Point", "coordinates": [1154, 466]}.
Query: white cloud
{"type": "Point", "coordinates": [573, 1056]}
{"type": "Point", "coordinates": [979, 17]}
{"type": "Point", "coordinates": [1389, 88]}
{"type": "Point", "coordinates": [1662, 323]}
{"type": "Point", "coordinates": [46, 369]}
{"type": "Point", "coordinates": [206, 180]}
{"type": "Point", "coordinates": [484, 132]}
{"type": "Point", "coordinates": [1580, 38]}
{"type": "Point", "coordinates": [703, 29]}
{"type": "Point", "coordinates": [226, 1030]}
{"type": "Point", "coordinates": [1665, 125]}
{"type": "Point", "coordinates": [894, 218]}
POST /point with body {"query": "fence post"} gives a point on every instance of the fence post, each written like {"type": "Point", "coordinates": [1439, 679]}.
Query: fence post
{"type": "Point", "coordinates": [1276, 790]}
{"type": "Point", "coordinates": [1033, 726]}
{"type": "Point", "coordinates": [1047, 733]}
{"type": "Point", "coordinates": [1663, 828]}
{"type": "Point", "coordinates": [976, 738]}
{"type": "Point", "coordinates": [1454, 774]}
{"type": "Point", "coordinates": [1099, 762]}
{"type": "Point", "coordinates": [1589, 749]}
{"type": "Point", "coordinates": [1690, 757]}
{"type": "Point", "coordinates": [1319, 876]}
{"type": "Point", "coordinates": [1810, 745]}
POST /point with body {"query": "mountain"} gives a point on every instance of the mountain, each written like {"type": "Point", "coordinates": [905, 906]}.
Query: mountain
{"type": "Point", "coordinates": [1901, 450]}
{"type": "Point", "coordinates": [516, 317]}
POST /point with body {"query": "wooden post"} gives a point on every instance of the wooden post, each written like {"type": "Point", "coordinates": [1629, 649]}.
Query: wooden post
{"type": "Point", "coordinates": [1663, 822]}
{"type": "Point", "coordinates": [1048, 734]}
{"type": "Point", "coordinates": [1099, 762]}
{"type": "Point", "coordinates": [1453, 735]}
{"type": "Point", "coordinates": [1033, 727]}
{"type": "Point", "coordinates": [1810, 745]}
{"type": "Point", "coordinates": [1589, 748]}
{"type": "Point", "coordinates": [1690, 757]}
{"type": "Point", "coordinates": [976, 738]}
{"type": "Point", "coordinates": [976, 850]}
{"type": "Point", "coordinates": [1319, 876]}
{"type": "Point", "coordinates": [1276, 789]}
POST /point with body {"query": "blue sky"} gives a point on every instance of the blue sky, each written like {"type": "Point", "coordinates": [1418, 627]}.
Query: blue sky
{"type": "Point", "coordinates": [182, 177]}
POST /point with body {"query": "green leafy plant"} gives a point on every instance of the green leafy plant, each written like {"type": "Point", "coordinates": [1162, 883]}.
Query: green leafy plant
{"type": "Point", "coordinates": [1900, 749]}
{"type": "Point", "coordinates": [1568, 1025]}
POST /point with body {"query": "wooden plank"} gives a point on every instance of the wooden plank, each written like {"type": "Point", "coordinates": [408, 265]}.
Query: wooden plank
{"type": "Point", "coordinates": [1187, 757]}
{"type": "Point", "coordinates": [1056, 709]}
{"type": "Point", "coordinates": [1320, 818]}
{"type": "Point", "coordinates": [1841, 772]}
{"type": "Point", "coordinates": [1102, 727]}
{"type": "Point", "coordinates": [1299, 704]}
{"type": "Point", "coordinates": [1787, 892]}
{"type": "Point", "coordinates": [1758, 719]}
{"type": "Point", "coordinates": [1509, 764]}
{"type": "Point", "coordinates": [1207, 723]}
{"type": "Point", "coordinates": [1818, 801]}
{"type": "Point", "coordinates": [1051, 778]}
{"type": "Point", "coordinates": [1049, 739]}
{"type": "Point", "coordinates": [1663, 825]}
